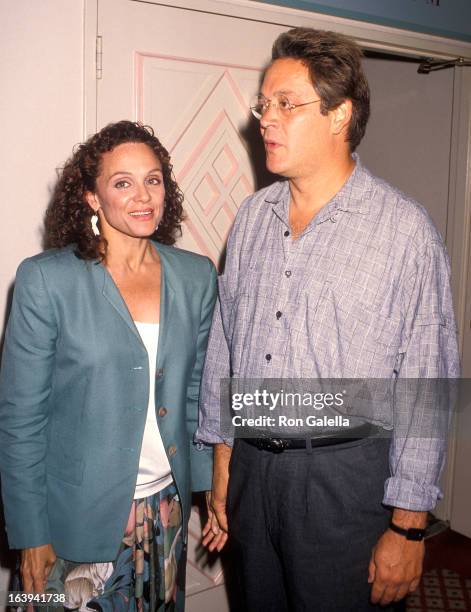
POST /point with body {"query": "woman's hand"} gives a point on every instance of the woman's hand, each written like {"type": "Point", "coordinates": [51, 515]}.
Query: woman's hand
{"type": "Point", "coordinates": [36, 563]}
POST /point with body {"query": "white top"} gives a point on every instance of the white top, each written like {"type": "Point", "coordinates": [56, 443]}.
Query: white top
{"type": "Point", "coordinates": [154, 469]}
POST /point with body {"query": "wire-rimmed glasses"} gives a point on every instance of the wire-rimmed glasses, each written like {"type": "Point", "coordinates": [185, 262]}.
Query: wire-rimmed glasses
{"type": "Point", "coordinates": [259, 105]}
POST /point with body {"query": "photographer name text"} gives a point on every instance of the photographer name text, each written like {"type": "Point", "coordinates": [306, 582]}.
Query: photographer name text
{"type": "Point", "coordinates": [282, 420]}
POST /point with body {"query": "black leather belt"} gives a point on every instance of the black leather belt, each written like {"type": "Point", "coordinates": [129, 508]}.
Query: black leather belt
{"type": "Point", "coordinates": [278, 445]}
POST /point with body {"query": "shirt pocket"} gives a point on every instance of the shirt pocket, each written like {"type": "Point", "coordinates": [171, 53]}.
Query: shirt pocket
{"type": "Point", "coordinates": [257, 283]}
{"type": "Point", "coordinates": [362, 338]}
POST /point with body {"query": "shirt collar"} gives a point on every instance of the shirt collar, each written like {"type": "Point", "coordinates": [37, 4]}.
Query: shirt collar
{"type": "Point", "coordinates": [354, 196]}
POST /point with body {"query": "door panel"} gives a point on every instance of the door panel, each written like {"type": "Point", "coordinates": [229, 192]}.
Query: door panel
{"type": "Point", "coordinates": [209, 104]}
{"type": "Point", "coordinates": [190, 75]}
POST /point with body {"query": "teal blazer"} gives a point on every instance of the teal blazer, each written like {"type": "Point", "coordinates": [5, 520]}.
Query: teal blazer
{"type": "Point", "coordinates": [74, 388]}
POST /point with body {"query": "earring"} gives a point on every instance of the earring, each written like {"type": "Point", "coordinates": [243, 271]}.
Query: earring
{"type": "Point", "coordinates": [94, 222]}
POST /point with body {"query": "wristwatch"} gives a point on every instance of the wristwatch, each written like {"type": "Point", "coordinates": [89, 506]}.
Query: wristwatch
{"type": "Point", "coordinates": [416, 535]}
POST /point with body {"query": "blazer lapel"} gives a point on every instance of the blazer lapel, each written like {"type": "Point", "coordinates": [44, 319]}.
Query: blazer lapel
{"type": "Point", "coordinates": [167, 296]}
{"type": "Point", "coordinates": [111, 293]}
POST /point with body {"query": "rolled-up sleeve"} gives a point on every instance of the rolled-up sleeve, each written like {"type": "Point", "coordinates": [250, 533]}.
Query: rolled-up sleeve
{"type": "Point", "coordinates": [426, 384]}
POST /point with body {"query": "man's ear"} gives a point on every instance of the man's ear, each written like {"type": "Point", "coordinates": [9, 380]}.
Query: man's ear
{"type": "Point", "coordinates": [92, 200]}
{"type": "Point", "coordinates": [341, 117]}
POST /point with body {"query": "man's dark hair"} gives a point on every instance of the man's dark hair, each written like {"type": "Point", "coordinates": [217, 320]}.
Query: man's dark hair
{"type": "Point", "coordinates": [334, 64]}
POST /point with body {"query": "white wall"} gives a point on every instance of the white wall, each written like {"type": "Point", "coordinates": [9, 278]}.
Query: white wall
{"type": "Point", "coordinates": [408, 137]}
{"type": "Point", "coordinates": [41, 49]}
{"type": "Point", "coordinates": [41, 111]}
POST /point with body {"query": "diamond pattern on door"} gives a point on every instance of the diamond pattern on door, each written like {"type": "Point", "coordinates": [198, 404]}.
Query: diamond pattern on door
{"type": "Point", "coordinates": [218, 158]}
{"type": "Point", "coordinates": [225, 165]}
{"type": "Point", "coordinates": [210, 158]}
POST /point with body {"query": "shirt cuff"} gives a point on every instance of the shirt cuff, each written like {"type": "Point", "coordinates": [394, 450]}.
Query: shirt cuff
{"type": "Point", "coordinates": [207, 436]}
{"type": "Point", "coordinates": [409, 495]}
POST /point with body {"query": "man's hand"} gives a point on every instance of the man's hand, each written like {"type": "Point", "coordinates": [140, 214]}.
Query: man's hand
{"type": "Point", "coordinates": [396, 563]}
{"type": "Point", "coordinates": [214, 538]}
{"type": "Point", "coordinates": [215, 530]}
{"type": "Point", "coordinates": [36, 563]}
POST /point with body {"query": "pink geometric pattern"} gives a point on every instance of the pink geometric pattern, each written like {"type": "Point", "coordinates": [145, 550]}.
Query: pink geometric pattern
{"type": "Point", "coordinates": [206, 194]}
{"type": "Point", "coordinates": [212, 200]}
{"type": "Point", "coordinates": [241, 190]}
{"type": "Point", "coordinates": [222, 222]}
{"type": "Point", "coordinates": [211, 160]}
{"type": "Point", "coordinates": [225, 165]}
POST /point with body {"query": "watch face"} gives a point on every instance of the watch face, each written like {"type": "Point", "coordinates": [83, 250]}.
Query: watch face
{"type": "Point", "coordinates": [415, 534]}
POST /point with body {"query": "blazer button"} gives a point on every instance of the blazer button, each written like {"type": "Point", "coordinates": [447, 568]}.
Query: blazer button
{"type": "Point", "coordinates": [172, 450]}
{"type": "Point", "coordinates": [162, 411]}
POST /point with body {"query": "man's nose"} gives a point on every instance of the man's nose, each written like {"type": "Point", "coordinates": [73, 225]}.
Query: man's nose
{"type": "Point", "coordinates": [270, 115]}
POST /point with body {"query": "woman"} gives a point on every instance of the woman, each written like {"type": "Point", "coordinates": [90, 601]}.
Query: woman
{"type": "Point", "coordinates": [100, 380]}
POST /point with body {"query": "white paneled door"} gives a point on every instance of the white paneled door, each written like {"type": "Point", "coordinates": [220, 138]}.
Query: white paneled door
{"type": "Point", "coordinates": [190, 75]}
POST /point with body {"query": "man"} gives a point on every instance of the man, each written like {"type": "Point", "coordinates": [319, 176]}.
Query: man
{"type": "Point", "coordinates": [331, 273]}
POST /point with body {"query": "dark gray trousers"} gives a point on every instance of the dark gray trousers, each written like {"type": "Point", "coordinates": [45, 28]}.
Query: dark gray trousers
{"type": "Point", "coordinates": [303, 525]}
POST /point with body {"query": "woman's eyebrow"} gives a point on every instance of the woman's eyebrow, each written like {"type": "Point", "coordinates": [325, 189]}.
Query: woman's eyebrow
{"type": "Point", "coordinates": [127, 172]}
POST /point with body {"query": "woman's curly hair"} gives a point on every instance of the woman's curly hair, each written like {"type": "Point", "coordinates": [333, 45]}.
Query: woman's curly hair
{"type": "Point", "coordinates": [68, 215]}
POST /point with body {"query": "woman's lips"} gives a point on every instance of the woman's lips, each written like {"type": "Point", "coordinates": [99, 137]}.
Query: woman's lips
{"type": "Point", "coordinates": [142, 215]}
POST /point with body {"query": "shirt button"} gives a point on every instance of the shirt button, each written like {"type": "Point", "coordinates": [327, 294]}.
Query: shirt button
{"type": "Point", "coordinates": [288, 273]}
{"type": "Point", "coordinates": [162, 411]}
{"type": "Point", "coordinates": [268, 357]}
{"type": "Point", "coordinates": [333, 219]}
{"type": "Point", "coordinates": [287, 233]}
{"type": "Point", "coordinates": [278, 314]}
{"type": "Point", "coordinates": [172, 450]}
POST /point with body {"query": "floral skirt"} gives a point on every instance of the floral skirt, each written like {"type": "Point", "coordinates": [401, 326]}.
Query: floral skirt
{"type": "Point", "coordinates": [148, 574]}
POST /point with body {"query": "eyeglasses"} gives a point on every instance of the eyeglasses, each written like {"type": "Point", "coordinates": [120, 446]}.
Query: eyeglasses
{"type": "Point", "coordinates": [259, 105]}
